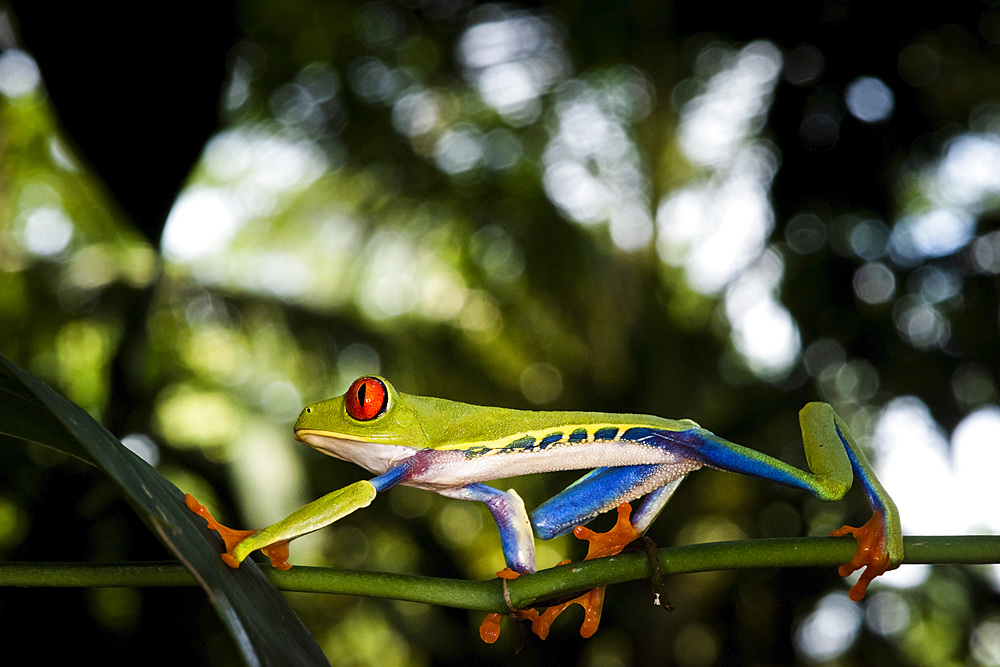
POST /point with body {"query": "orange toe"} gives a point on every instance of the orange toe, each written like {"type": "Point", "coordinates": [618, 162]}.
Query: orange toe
{"type": "Point", "coordinates": [593, 604]}
{"type": "Point", "coordinates": [230, 536]}
{"type": "Point", "coordinates": [489, 631]}
{"type": "Point", "coordinates": [871, 554]}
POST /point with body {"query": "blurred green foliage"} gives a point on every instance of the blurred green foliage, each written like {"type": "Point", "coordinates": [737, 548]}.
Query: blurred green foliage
{"type": "Point", "coordinates": [637, 208]}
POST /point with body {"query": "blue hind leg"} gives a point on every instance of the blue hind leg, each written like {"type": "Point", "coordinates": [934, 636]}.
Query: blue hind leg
{"type": "Point", "coordinates": [508, 511]}
{"type": "Point", "coordinates": [604, 489]}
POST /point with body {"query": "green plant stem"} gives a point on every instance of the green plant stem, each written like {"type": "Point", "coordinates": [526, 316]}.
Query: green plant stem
{"type": "Point", "coordinates": [86, 575]}
{"type": "Point", "coordinates": [528, 589]}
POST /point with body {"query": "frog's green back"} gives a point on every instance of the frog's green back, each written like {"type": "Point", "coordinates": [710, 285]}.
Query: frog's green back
{"type": "Point", "coordinates": [451, 424]}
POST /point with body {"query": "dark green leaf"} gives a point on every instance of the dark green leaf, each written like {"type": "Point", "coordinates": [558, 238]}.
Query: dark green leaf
{"type": "Point", "coordinates": [23, 416]}
{"type": "Point", "coordinates": [264, 627]}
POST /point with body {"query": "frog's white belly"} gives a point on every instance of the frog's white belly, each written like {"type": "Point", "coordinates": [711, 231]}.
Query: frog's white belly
{"type": "Point", "coordinates": [441, 469]}
{"type": "Point", "coordinates": [453, 468]}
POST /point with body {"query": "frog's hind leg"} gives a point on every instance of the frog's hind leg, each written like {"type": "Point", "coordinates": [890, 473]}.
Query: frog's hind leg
{"type": "Point", "coordinates": [592, 494]}
{"type": "Point", "coordinates": [604, 489]}
{"type": "Point", "coordinates": [511, 518]}
{"type": "Point", "coordinates": [516, 540]}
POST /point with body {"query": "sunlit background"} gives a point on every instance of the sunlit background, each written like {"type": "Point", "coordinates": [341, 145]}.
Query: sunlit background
{"type": "Point", "coordinates": [490, 204]}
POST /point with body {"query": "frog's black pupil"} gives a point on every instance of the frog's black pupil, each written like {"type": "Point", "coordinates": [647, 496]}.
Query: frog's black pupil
{"type": "Point", "coordinates": [361, 394]}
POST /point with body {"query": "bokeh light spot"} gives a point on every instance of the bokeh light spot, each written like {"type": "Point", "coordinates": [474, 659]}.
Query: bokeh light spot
{"type": "Point", "coordinates": [821, 355]}
{"type": "Point", "coordinates": [972, 386]}
{"type": "Point", "coordinates": [912, 452]}
{"type": "Point", "coordinates": [374, 81]}
{"type": "Point", "coordinates": [874, 283]}
{"type": "Point", "coordinates": [868, 239]}
{"type": "Point", "coordinates": [920, 323]}
{"type": "Point", "coordinates": [934, 284]}
{"type": "Point", "coordinates": [887, 613]}
{"type": "Point", "coordinates": [715, 123]}
{"type": "Point", "coordinates": [201, 222]}
{"type": "Point", "coordinates": [19, 75]}
{"type": "Point", "coordinates": [985, 253]}
{"type": "Point", "coordinates": [869, 99]}
{"type": "Point", "coordinates": [513, 57]}
{"type": "Point", "coordinates": [803, 65]}
{"type": "Point", "coordinates": [541, 383]}
{"type": "Point", "coordinates": [969, 171]}
{"type": "Point", "coordinates": [631, 227]}
{"type": "Point", "coordinates": [830, 629]}
{"type": "Point", "coordinates": [281, 400]}
{"type": "Point", "coordinates": [936, 233]}
{"type": "Point", "coordinates": [415, 113]}
{"type": "Point", "coordinates": [918, 64]}
{"type": "Point", "coordinates": [984, 641]}
{"type": "Point", "coordinates": [503, 149]}
{"type": "Point", "coordinates": [47, 231]}
{"type": "Point", "coordinates": [499, 256]}
{"type": "Point", "coordinates": [805, 233]}
{"type": "Point", "coordinates": [459, 149]}
{"type": "Point", "coordinates": [763, 331]}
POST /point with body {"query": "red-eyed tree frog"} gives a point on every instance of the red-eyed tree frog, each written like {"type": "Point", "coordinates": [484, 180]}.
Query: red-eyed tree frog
{"type": "Point", "coordinates": [452, 448]}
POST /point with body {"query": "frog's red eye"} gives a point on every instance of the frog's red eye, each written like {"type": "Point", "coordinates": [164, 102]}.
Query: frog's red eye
{"type": "Point", "coordinates": [366, 399]}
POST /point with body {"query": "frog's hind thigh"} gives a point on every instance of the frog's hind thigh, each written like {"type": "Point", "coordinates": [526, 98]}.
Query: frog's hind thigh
{"type": "Point", "coordinates": [601, 490]}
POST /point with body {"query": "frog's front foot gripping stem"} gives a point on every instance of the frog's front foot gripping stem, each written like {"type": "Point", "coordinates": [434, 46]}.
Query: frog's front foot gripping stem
{"type": "Point", "coordinates": [277, 552]}
{"type": "Point", "coordinates": [872, 553]}
{"type": "Point", "coordinates": [601, 544]}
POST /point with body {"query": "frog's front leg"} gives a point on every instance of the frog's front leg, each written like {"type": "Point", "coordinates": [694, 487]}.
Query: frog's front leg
{"type": "Point", "coordinates": [274, 539]}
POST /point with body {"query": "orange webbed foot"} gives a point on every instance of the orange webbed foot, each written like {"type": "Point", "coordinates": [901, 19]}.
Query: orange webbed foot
{"type": "Point", "coordinates": [871, 554]}
{"type": "Point", "coordinates": [591, 601]}
{"type": "Point", "coordinates": [612, 542]}
{"type": "Point", "coordinates": [601, 544]}
{"type": "Point", "coordinates": [277, 552]}
{"type": "Point", "coordinates": [593, 604]}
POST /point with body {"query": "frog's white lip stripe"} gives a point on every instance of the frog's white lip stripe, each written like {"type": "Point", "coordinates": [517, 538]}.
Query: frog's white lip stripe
{"type": "Point", "coordinates": [303, 433]}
